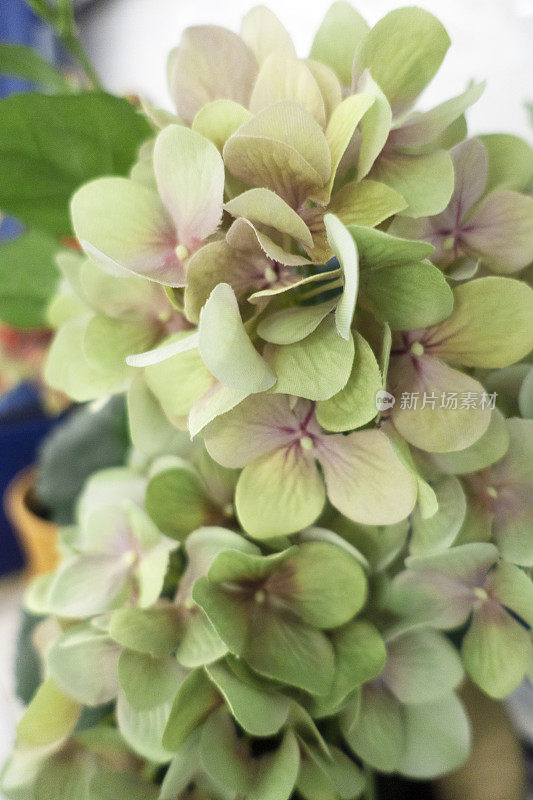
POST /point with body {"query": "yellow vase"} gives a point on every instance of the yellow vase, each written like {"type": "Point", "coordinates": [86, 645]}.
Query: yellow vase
{"type": "Point", "coordinates": [37, 536]}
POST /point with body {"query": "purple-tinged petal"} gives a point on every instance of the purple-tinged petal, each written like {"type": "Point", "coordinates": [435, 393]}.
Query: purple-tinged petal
{"type": "Point", "coordinates": [500, 232]}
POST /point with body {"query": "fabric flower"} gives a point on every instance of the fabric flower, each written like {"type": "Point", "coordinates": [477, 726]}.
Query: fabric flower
{"type": "Point", "coordinates": [445, 589]}
{"type": "Point", "coordinates": [493, 227]}
{"type": "Point", "coordinates": [281, 490]}
{"type": "Point", "coordinates": [127, 226]}
{"type": "Point", "coordinates": [437, 407]}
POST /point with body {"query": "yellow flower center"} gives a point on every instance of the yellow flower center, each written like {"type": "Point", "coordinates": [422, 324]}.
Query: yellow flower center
{"type": "Point", "coordinates": [480, 593]}
{"type": "Point", "coordinates": [270, 275]}
{"type": "Point", "coordinates": [492, 492]}
{"type": "Point", "coordinates": [417, 349]}
{"type": "Point", "coordinates": [307, 443]}
{"type": "Point", "coordinates": [181, 252]}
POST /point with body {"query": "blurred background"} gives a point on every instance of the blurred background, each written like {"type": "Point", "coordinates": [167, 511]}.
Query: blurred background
{"type": "Point", "coordinates": [128, 42]}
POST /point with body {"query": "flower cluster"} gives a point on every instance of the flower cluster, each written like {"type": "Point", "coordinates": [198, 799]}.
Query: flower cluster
{"type": "Point", "coordinates": [260, 602]}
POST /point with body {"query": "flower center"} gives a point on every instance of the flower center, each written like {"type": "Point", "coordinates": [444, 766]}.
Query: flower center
{"type": "Point", "coordinates": [260, 596]}
{"type": "Point", "coordinates": [417, 349]}
{"type": "Point", "coordinates": [480, 593]}
{"type": "Point", "coordinates": [307, 443]}
{"type": "Point", "coordinates": [181, 252]}
{"type": "Point", "coordinates": [448, 243]}
{"type": "Point", "coordinates": [270, 274]}
{"type": "Point", "coordinates": [492, 492]}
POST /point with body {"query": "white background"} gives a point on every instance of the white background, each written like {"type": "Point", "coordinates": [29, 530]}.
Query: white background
{"type": "Point", "coordinates": [128, 41]}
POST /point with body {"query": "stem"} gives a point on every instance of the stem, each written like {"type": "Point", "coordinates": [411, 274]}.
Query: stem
{"type": "Point", "coordinates": [61, 18]}
{"type": "Point", "coordinates": [335, 284]}
{"type": "Point", "coordinates": [371, 788]}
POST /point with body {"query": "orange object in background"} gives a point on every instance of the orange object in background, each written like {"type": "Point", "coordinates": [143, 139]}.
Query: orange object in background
{"type": "Point", "coordinates": [38, 537]}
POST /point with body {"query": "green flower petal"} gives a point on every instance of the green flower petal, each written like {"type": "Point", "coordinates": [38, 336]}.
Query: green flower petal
{"type": "Point", "coordinates": [403, 53]}
{"type": "Point", "coordinates": [225, 347]}
{"type": "Point", "coordinates": [69, 371]}
{"type": "Point", "coordinates": [280, 493]}
{"type": "Point", "coordinates": [49, 719]}
{"type": "Point", "coordinates": [425, 181]}
{"type": "Point", "coordinates": [355, 405]}
{"type": "Point", "coordinates": [341, 128]}
{"type": "Point", "coordinates": [195, 700]}
{"type": "Point", "coordinates": [283, 149]}
{"type": "Point", "coordinates": [264, 34]}
{"type": "Point", "coordinates": [148, 682]}
{"type": "Point", "coordinates": [219, 120]}
{"type": "Point", "coordinates": [407, 296]}
{"type": "Point", "coordinates": [334, 775]}
{"type": "Point", "coordinates": [420, 129]}
{"type": "Point", "coordinates": [336, 40]}
{"type": "Point", "coordinates": [316, 367]}
{"type": "Point", "coordinates": [155, 631]}
{"type": "Point", "coordinates": [319, 602]}
{"type": "Point", "coordinates": [284, 77]}
{"type": "Point", "coordinates": [256, 427]}
{"type": "Point", "coordinates": [123, 225]}
{"type": "Point", "coordinates": [439, 531]}
{"type": "Point", "coordinates": [228, 764]}
{"type": "Point", "coordinates": [435, 428]}
{"type": "Point", "coordinates": [422, 666]}
{"type": "Point", "coordinates": [177, 502]}
{"type": "Point", "coordinates": [496, 651]}
{"type": "Point", "coordinates": [293, 324]}
{"type": "Point", "coordinates": [83, 663]}
{"type": "Point", "coordinates": [510, 162]}
{"type": "Point", "coordinates": [216, 401]}
{"type": "Point", "coordinates": [179, 381]}
{"type": "Point", "coordinates": [210, 63]}
{"type": "Point", "coordinates": [499, 231]}
{"type": "Point", "coordinates": [328, 83]}
{"type": "Point", "coordinates": [345, 250]}
{"type": "Point", "coordinates": [190, 178]}
{"type": "Point", "coordinates": [377, 734]}
{"type": "Point", "coordinates": [488, 449]}
{"type": "Point", "coordinates": [366, 203]}
{"type": "Point", "coordinates": [360, 656]}
{"type": "Point", "coordinates": [108, 342]}
{"type": "Point", "coordinates": [267, 208]}
{"type": "Point", "coordinates": [375, 125]}
{"type": "Point", "coordinates": [379, 249]}
{"type": "Point", "coordinates": [365, 480]}
{"type": "Point", "coordinates": [143, 730]}
{"type": "Point", "coordinates": [514, 590]}
{"type": "Point", "coordinates": [437, 738]}
{"type": "Point", "coordinates": [260, 710]}
{"type": "Point", "coordinates": [491, 324]}
{"type": "Point", "coordinates": [151, 432]}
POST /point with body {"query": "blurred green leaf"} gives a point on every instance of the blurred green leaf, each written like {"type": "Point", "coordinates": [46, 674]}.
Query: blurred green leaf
{"type": "Point", "coordinates": [28, 277]}
{"type": "Point", "coordinates": [23, 62]}
{"type": "Point", "coordinates": [50, 144]}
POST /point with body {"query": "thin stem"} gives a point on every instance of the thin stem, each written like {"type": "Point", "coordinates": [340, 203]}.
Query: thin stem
{"type": "Point", "coordinates": [370, 788]}
{"type": "Point", "coordinates": [335, 284]}
{"type": "Point", "coordinates": [61, 18]}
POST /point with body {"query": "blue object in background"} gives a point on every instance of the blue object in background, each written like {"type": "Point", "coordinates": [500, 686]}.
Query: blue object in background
{"type": "Point", "coordinates": [23, 423]}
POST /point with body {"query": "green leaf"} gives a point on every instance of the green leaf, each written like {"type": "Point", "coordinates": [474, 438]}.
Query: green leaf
{"type": "Point", "coordinates": [355, 405]}
{"type": "Point", "coordinates": [403, 53]}
{"type": "Point", "coordinates": [407, 296]}
{"type": "Point", "coordinates": [316, 367]}
{"type": "Point", "coordinates": [24, 62]}
{"type": "Point", "coordinates": [336, 39]}
{"type": "Point", "coordinates": [28, 278]}
{"type": "Point", "coordinates": [154, 631]}
{"type": "Point", "coordinates": [52, 144]}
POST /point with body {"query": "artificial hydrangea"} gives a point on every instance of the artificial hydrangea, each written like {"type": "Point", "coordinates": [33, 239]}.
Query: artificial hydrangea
{"type": "Point", "coordinates": [258, 604]}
